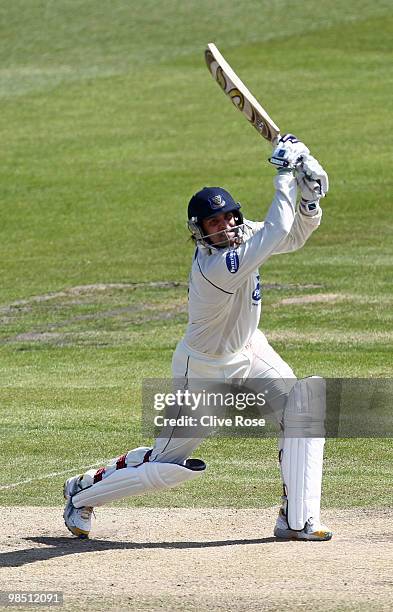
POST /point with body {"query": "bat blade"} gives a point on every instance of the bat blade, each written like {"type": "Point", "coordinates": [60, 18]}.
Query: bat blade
{"type": "Point", "coordinates": [241, 97]}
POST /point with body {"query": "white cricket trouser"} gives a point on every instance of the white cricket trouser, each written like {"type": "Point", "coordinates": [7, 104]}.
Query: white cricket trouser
{"type": "Point", "coordinates": [257, 363]}
{"type": "Point", "coordinates": [260, 369]}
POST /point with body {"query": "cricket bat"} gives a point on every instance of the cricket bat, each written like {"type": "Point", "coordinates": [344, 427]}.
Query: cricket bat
{"type": "Point", "coordinates": [241, 97]}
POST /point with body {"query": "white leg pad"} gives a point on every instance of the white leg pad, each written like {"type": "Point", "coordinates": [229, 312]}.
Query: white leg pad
{"type": "Point", "coordinates": [144, 478]}
{"type": "Point", "coordinates": [301, 457]}
{"type": "Point", "coordinates": [132, 458]}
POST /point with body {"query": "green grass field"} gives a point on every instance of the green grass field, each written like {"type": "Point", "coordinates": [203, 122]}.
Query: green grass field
{"type": "Point", "coordinates": [109, 122]}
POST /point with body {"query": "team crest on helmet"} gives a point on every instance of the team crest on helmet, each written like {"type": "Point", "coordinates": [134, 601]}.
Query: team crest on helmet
{"type": "Point", "coordinates": [218, 201]}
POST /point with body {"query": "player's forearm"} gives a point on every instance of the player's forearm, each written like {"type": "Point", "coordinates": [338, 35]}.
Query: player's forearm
{"type": "Point", "coordinates": [281, 213]}
{"type": "Point", "coordinates": [302, 228]}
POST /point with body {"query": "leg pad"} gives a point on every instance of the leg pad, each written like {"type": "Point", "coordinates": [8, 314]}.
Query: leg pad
{"type": "Point", "coordinates": [148, 477]}
{"type": "Point", "coordinates": [301, 452]}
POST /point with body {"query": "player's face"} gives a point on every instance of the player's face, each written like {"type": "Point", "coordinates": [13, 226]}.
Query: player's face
{"type": "Point", "coordinates": [222, 227]}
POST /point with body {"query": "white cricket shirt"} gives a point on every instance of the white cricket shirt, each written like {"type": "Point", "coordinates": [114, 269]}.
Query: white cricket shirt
{"type": "Point", "coordinates": [224, 286]}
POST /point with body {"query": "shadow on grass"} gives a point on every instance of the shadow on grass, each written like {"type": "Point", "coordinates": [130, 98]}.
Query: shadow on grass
{"type": "Point", "coordinates": [59, 547]}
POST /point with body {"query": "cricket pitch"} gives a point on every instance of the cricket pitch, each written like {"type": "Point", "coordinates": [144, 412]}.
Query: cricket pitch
{"type": "Point", "coordinates": [199, 559]}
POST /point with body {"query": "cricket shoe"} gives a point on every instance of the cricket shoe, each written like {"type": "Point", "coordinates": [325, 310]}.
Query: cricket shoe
{"type": "Point", "coordinates": [312, 531]}
{"type": "Point", "coordinates": [77, 520]}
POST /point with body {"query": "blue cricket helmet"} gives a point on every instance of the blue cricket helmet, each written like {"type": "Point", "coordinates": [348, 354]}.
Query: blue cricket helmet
{"type": "Point", "coordinates": [211, 201]}
{"type": "Point", "coordinates": [206, 203]}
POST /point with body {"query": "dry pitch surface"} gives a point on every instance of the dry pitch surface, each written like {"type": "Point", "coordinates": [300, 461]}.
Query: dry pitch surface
{"type": "Point", "coordinates": [199, 559]}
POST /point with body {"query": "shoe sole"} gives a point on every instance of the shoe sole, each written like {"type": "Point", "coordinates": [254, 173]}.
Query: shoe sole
{"type": "Point", "coordinates": [316, 536]}
{"type": "Point", "coordinates": [79, 533]}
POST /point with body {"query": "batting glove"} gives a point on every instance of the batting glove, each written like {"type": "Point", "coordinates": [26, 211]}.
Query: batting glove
{"type": "Point", "coordinates": [312, 179]}
{"type": "Point", "coordinates": [289, 152]}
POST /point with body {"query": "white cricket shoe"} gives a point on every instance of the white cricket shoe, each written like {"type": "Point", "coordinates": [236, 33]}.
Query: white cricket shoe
{"type": "Point", "coordinates": [312, 531]}
{"type": "Point", "coordinates": [77, 520]}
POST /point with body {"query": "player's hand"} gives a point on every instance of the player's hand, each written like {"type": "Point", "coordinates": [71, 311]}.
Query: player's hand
{"type": "Point", "coordinates": [289, 152]}
{"type": "Point", "coordinates": [312, 179]}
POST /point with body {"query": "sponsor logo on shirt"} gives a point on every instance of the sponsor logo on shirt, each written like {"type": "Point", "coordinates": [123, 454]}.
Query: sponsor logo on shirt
{"type": "Point", "coordinates": [256, 294]}
{"type": "Point", "coordinates": [232, 261]}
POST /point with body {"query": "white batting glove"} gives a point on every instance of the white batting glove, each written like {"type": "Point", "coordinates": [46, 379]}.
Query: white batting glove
{"type": "Point", "coordinates": [312, 179]}
{"type": "Point", "coordinates": [288, 153]}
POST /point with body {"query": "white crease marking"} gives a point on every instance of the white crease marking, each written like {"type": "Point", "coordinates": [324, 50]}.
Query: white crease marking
{"type": "Point", "coordinates": [53, 475]}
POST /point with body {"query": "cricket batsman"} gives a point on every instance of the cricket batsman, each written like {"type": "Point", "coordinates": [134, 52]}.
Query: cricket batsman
{"type": "Point", "coordinates": [222, 342]}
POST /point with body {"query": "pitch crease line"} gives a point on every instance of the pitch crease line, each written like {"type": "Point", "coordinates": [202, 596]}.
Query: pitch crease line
{"type": "Point", "coordinates": [52, 475]}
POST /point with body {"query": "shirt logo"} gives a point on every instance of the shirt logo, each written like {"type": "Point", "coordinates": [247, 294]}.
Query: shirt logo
{"type": "Point", "coordinates": [218, 201]}
{"type": "Point", "coordinates": [232, 261]}
{"type": "Point", "coordinates": [256, 294]}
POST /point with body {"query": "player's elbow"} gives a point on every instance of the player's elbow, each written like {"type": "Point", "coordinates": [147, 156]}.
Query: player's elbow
{"type": "Point", "coordinates": [279, 231]}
